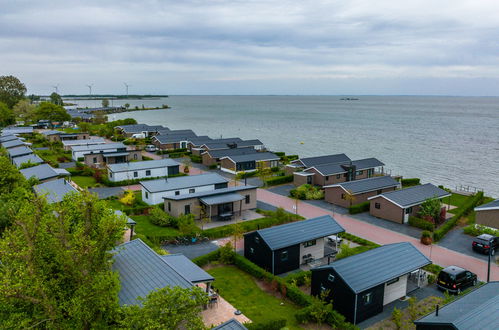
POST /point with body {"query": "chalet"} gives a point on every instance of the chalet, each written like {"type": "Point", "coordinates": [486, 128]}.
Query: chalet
{"type": "Point", "coordinates": [249, 162]}
{"type": "Point", "coordinates": [59, 136]}
{"type": "Point", "coordinates": [19, 151]}
{"type": "Point", "coordinates": [366, 282]}
{"type": "Point", "coordinates": [153, 191]}
{"type": "Point", "coordinates": [141, 270]}
{"type": "Point", "coordinates": [68, 144]}
{"type": "Point", "coordinates": [173, 139]}
{"type": "Point", "coordinates": [332, 173]}
{"type": "Point", "coordinates": [54, 190]}
{"type": "Point", "coordinates": [13, 144]}
{"type": "Point", "coordinates": [79, 151]}
{"type": "Point", "coordinates": [307, 162]}
{"type": "Point", "coordinates": [284, 248]}
{"type": "Point", "coordinates": [100, 160]}
{"type": "Point", "coordinates": [83, 116]}
{"type": "Point", "coordinates": [198, 145]}
{"type": "Point", "coordinates": [43, 172]}
{"type": "Point", "coordinates": [478, 309]}
{"type": "Point", "coordinates": [212, 157]}
{"type": "Point", "coordinates": [346, 194]}
{"type": "Point", "coordinates": [399, 205]}
{"type": "Point", "coordinates": [30, 158]}
{"type": "Point", "coordinates": [6, 138]}
{"type": "Point", "coordinates": [488, 214]}
{"type": "Point", "coordinates": [235, 143]}
{"type": "Point", "coordinates": [140, 170]}
{"type": "Point", "coordinates": [15, 130]}
{"type": "Point", "coordinates": [129, 130]}
{"type": "Point", "coordinates": [231, 324]}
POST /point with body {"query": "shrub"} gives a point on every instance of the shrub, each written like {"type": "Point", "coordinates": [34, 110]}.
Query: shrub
{"type": "Point", "coordinates": [213, 166]}
{"type": "Point", "coordinates": [307, 192]}
{"type": "Point", "coordinates": [195, 158]}
{"type": "Point", "coordinates": [410, 182]}
{"type": "Point", "coordinates": [207, 258]}
{"type": "Point", "coordinates": [397, 317]}
{"type": "Point", "coordinates": [159, 217]}
{"type": "Point", "coordinates": [475, 230]}
{"type": "Point", "coordinates": [425, 234]}
{"type": "Point", "coordinates": [432, 268]}
{"type": "Point", "coordinates": [267, 325]}
{"type": "Point", "coordinates": [420, 223]}
{"type": "Point", "coordinates": [358, 240]}
{"type": "Point", "coordinates": [279, 180]}
{"type": "Point", "coordinates": [128, 198]}
{"type": "Point", "coordinates": [299, 279]}
{"type": "Point", "coordinates": [359, 208]}
{"type": "Point", "coordinates": [227, 254]}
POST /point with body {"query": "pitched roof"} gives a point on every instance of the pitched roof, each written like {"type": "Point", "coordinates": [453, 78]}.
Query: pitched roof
{"type": "Point", "coordinates": [329, 169]}
{"type": "Point", "coordinates": [221, 199]}
{"type": "Point", "coordinates": [19, 151]}
{"type": "Point", "coordinates": [138, 128]}
{"type": "Point", "coordinates": [141, 271]}
{"type": "Point", "coordinates": [300, 231]}
{"type": "Point", "coordinates": [362, 164]}
{"type": "Point", "coordinates": [6, 138]}
{"type": "Point", "coordinates": [172, 138]}
{"type": "Point", "coordinates": [413, 195]}
{"type": "Point", "coordinates": [494, 205]}
{"type": "Point", "coordinates": [366, 185]}
{"type": "Point", "coordinates": [17, 130]}
{"type": "Point", "coordinates": [377, 266]}
{"type": "Point", "coordinates": [93, 147]}
{"type": "Point", "coordinates": [478, 309]}
{"type": "Point", "coordinates": [231, 152]}
{"type": "Point", "coordinates": [144, 165]}
{"type": "Point", "coordinates": [231, 324]}
{"type": "Point", "coordinates": [213, 145]}
{"type": "Point", "coordinates": [91, 141]}
{"type": "Point", "coordinates": [190, 270]}
{"type": "Point", "coordinates": [51, 132]}
{"type": "Point", "coordinates": [327, 159]}
{"type": "Point", "coordinates": [258, 156]}
{"type": "Point", "coordinates": [181, 182]}
{"type": "Point", "coordinates": [129, 221]}
{"type": "Point", "coordinates": [55, 190]}
{"type": "Point", "coordinates": [215, 192]}
{"type": "Point", "coordinates": [12, 144]}
{"type": "Point", "coordinates": [31, 158]}
{"type": "Point", "coordinates": [41, 172]}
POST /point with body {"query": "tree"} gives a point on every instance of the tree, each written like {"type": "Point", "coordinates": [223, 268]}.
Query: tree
{"type": "Point", "coordinates": [52, 112]}
{"type": "Point", "coordinates": [350, 197]}
{"type": "Point", "coordinates": [127, 105]}
{"type": "Point", "coordinates": [24, 110]}
{"type": "Point", "coordinates": [12, 90]}
{"type": "Point", "coordinates": [56, 98]}
{"type": "Point", "coordinates": [6, 115]}
{"type": "Point", "coordinates": [56, 265]}
{"type": "Point", "coordinates": [263, 172]}
{"type": "Point", "coordinates": [430, 209]}
{"type": "Point", "coordinates": [167, 308]}
{"type": "Point", "coordinates": [105, 103]}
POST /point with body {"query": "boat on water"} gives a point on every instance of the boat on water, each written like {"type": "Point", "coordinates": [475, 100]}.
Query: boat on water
{"type": "Point", "coordinates": [349, 99]}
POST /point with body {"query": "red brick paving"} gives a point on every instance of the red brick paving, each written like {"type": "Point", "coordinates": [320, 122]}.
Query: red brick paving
{"type": "Point", "coordinates": [439, 255]}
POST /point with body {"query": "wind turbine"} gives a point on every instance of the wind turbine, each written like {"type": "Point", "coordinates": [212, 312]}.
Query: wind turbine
{"type": "Point", "coordinates": [90, 89]}
{"type": "Point", "coordinates": [126, 86]}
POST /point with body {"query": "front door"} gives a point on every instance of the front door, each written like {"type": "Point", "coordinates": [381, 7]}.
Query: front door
{"type": "Point", "coordinates": [225, 209]}
{"type": "Point", "coordinates": [406, 215]}
{"type": "Point", "coordinates": [309, 179]}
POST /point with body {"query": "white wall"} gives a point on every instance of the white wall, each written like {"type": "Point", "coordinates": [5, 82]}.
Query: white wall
{"type": "Point", "coordinates": [128, 175]}
{"type": "Point", "coordinates": [317, 250]}
{"type": "Point", "coordinates": [395, 290]}
{"type": "Point", "coordinates": [157, 197]}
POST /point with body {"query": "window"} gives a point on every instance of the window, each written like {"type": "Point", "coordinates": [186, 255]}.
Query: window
{"type": "Point", "coordinates": [345, 175]}
{"type": "Point", "coordinates": [169, 207]}
{"type": "Point", "coordinates": [95, 160]}
{"type": "Point", "coordinates": [359, 172]}
{"type": "Point", "coordinates": [135, 156]}
{"type": "Point", "coordinates": [408, 210]}
{"type": "Point", "coordinates": [343, 196]}
{"type": "Point", "coordinates": [327, 177]}
{"type": "Point", "coordinates": [247, 199]}
{"type": "Point", "coordinates": [135, 174]}
{"type": "Point", "coordinates": [147, 195]}
{"type": "Point", "coordinates": [395, 280]}
{"type": "Point", "coordinates": [148, 172]}
{"type": "Point", "coordinates": [338, 176]}
{"type": "Point", "coordinates": [310, 243]}
{"type": "Point", "coordinates": [177, 193]}
{"type": "Point", "coordinates": [367, 298]}
{"type": "Point", "coordinates": [187, 209]}
{"type": "Point", "coordinates": [257, 239]}
{"type": "Point", "coordinates": [377, 206]}
{"type": "Point", "coordinates": [252, 251]}
{"type": "Point", "coordinates": [220, 185]}
{"type": "Point", "coordinates": [192, 191]}
{"type": "Point", "coordinates": [284, 255]}
{"type": "Point", "coordinates": [330, 278]}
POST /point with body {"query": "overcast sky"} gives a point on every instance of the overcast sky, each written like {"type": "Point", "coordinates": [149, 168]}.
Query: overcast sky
{"type": "Point", "coordinates": [253, 47]}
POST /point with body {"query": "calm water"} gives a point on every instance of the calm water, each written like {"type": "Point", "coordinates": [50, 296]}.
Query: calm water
{"type": "Point", "coordinates": [444, 140]}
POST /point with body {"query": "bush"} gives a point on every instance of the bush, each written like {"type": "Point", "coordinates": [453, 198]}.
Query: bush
{"type": "Point", "coordinates": [298, 279]}
{"type": "Point", "coordinates": [279, 180]}
{"type": "Point", "coordinates": [475, 230]}
{"type": "Point", "coordinates": [307, 192]}
{"type": "Point", "coordinates": [410, 182]}
{"type": "Point", "coordinates": [432, 268]}
{"type": "Point", "coordinates": [267, 325]}
{"type": "Point", "coordinates": [359, 208]}
{"type": "Point", "coordinates": [420, 223]}
{"type": "Point", "coordinates": [425, 234]}
{"type": "Point", "coordinates": [195, 158]}
{"type": "Point", "coordinates": [159, 217]}
{"type": "Point", "coordinates": [207, 258]}
{"type": "Point", "coordinates": [213, 166]}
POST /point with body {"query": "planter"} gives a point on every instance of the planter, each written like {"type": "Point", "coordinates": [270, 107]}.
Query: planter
{"type": "Point", "coordinates": [426, 240]}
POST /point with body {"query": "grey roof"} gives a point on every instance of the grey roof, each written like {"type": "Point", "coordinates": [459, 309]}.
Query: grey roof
{"type": "Point", "coordinates": [210, 192]}
{"type": "Point", "coordinates": [377, 266]}
{"type": "Point", "coordinates": [55, 190]}
{"type": "Point", "coordinates": [231, 324]}
{"type": "Point", "coordinates": [129, 221]}
{"type": "Point", "coordinates": [494, 205]}
{"type": "Point", "coordinates": [199, 140]}
{"type": "Point", "coordinates": [141, 271]}
{"type": "Point", "coordinates": [34, 159]}
{"type": "Point", "coordinates": [12, 144]}
{"type": "Point", "coordinates": [238, 143]}
{"type": "Point", "coordinates": [187, 132]}
{"type": "Point", "coordinates": [78, 114]}
{"type": "Point", "coordinates": [17, 130]}
{"type": "Point", "coordinates": [115, 154]}
{"type": "Point", "coordinates": [329, 169]}
{"type": "Point", "coordinates": [313, 161]}
{"type": "Point", "coordinates": [172, 138]}
{"type": "Point", "coordinates": [300, 231]}
{"type": "Point", "coordinates": [94, 147]}
{"type": "Point", "coordinates": [41, 172]}
{"type": "Point", "coordinates": [51, 132]}
{"type": "Point", "coordinates": [478, 309]}
{"type": "Point", "coordinates": [223, 140]}
{"type": "Point", "coordinates": [91, 141]}
{"type": "Point", "coordinates": [231, 152]}
{"type": "Point", "coordinates": [187, 268]}
{"type": "Point", "coordinates": [362, 164]}
{"type": "Point", "coordinates": [413, 195]}
{"type": "Point", "coordinates": [181, 182]}
{"type": "Point", "coordinates": [19, 151]}
{"type": "Point", "coordinates": [144, 165]}
{"type": "Point", "coordinates": [8, 138]}
{"type": "Point", "coordinates": [366, 185]}
{"type": "Point", "coordinates": [138, 128]}
{"type": "Point", "coordinates": [258, 156]}
{"type": "Point", "coordinates": [219, 199]}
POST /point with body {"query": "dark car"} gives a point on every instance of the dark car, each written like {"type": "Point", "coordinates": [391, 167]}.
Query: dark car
{"type": "Point", "coordinates": [485, 243]}
{"type": "Point", "coordinates": [455, 279]}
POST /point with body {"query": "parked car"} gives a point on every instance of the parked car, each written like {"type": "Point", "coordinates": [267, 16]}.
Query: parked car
{"type": "Point", "coordinates": [333, 239]}
{"type": "Point", "coordinates": [485, 243]}
{"type": "Point", "coordinates": [455, 279]}
{"type": "Point", "coordinates": [150, 148]}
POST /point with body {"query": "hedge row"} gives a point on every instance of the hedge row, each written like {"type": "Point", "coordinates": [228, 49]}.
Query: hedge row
{"type": "Point", "coordinates": [196, 159]}
{"type": "Point", "coordinates": [359, 208]}
{"type": "Point", "coordinates": [207, 258]}
{"type": "Point", "coordinates": [358, 240]}
{"type": "Point", "coordinates": [421, 223]}
{"type": "Point", "coordinates": [267, 325]}
{"type": "Point", "coordinates": [410, 182]}
{"type": "Point", "coordinates": [279, 180]}
{"type": "Point", "coordinates": [475, 230]}
{"type": "Point", "coordinates": [462, 211]}
{"type": "Point", "coordinates": [298, 278]}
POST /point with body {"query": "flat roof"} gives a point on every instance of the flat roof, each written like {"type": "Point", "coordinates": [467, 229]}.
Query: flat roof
{"type": "Point", "coordinates": [92, 147]}
{"type": "Point", "coordinates": [413, 195]}
{"type": "Point", "coordinates": [494, 205]}
{"type": "Point", "coordinates": [12, 143]}
{"type": "Point", "coordinates": [143, 165]}
{"type": "Point", "coordinates": [478, 309]}
{"type": "Point", "coordinates": [182, 182]}
{"type": "Point", "coordinates": [300, 231]}
{"type": "Point", "coordinates": [190, 270]}
{"type": "Point", "coordinates": [377, 266]}
{"type": "Point", "coordinates": [114, 154]}
{"type": "Point", "coordinates": [19, 151]}
{"type": "Point", "coordinates": [35, 159]}
{"type": "Point", "coordinates": [8, 138]}
{"type": "Point", "coordinates": [220, 199]}
{"type": "Point", "coordinates": [366, 185]}
{"type": "Point", "coordinates": [81, 142]}
{"type": "Point", "coordinates": [55, 190]}
{"type": "Point", "coordinates": [41, 172]}
{"type": "Point", "coordinates": [210, 193]}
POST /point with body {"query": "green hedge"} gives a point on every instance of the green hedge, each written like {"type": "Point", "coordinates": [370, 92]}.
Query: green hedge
{"type": "Point", "coordinates": [207, 258]}
{"type": "Point", "coordinates": [421, 223]}
{"type": "Point", "coordinates": [196, 159]}
{"type": "Point", "coordinates": [359, 208]}
{"type": "Point", "coordinates": [475, 230]}
{"type": "Point", "coordinates": [462, 211]}
{"type": "Point", "coordinates": [432, 268]}
{"type": "Point", "coordinates": [410, 182]}
{"type": "Point", "coordinates": [279, 180]}
{"type": "Point", "coordinates": [298, 278]}
{"type": "Point", "coordinates": [358, 240]}
{"type": "Point", "coordinates": [267, 325]}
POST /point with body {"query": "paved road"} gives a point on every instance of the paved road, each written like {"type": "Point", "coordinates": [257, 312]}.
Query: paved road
{"type": "Point", "coordinates": [438, 254]}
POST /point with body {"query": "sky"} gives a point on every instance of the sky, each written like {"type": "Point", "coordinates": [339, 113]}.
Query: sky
{"type": "Point", "coordinates": [347, 47]}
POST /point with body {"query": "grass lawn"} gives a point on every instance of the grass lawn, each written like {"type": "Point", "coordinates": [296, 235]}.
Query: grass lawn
{"type": "Point", "coordinates": [145, 227]}
{"type": "Point", "coordinates": [457, 200]}
{"type": "Point", "coordinates": [52, 156]}
{"type": "Point", "coordinates": [84, 181]}
{"type": "Point", "coordinates": [240, 289]}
